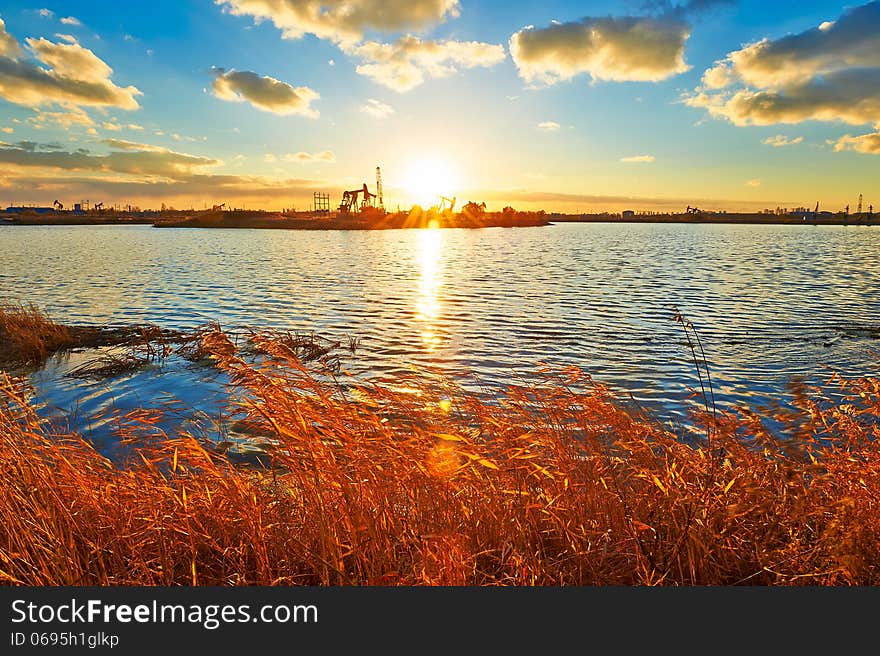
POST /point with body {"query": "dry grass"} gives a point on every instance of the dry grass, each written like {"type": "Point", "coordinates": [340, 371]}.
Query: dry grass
{"type": "Point", "coordinates": [556, 484]}
{"type": "Point", "coordinates": [28, 336]}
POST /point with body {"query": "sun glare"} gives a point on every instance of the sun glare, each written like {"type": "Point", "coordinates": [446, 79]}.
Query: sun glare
{"type": "Point", "coordinates": [430, 179]}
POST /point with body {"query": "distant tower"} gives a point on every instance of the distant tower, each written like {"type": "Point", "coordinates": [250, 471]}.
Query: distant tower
{"type": "Point", "coordinates": [379, 188]}
{"type": "Point", "coordinates": [859, 211]}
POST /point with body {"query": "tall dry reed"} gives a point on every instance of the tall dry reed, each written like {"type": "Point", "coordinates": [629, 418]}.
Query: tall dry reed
{"type": "Point", "coordinates": [415, 482]}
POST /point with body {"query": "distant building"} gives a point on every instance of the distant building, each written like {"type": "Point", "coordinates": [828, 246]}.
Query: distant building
{"type": "Point", "coordinates": [628, 214]}
{"type": "Point", "coordinates": [21, 209]}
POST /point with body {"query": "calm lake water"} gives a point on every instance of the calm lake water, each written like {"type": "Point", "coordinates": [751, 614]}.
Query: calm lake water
{"type": "Point", "coordinates": [770, 302]}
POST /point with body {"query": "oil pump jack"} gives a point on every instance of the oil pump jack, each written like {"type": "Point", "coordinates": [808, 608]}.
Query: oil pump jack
{"type": "Point", "coordinates": [350, 203]}
{"type": "Point", "coordinates": [443, 207]}
{"type": "Point", "coordinates": [58, 205]}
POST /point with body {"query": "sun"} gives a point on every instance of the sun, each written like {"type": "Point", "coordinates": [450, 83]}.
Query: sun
{"type": "Point", "coordinates": [428, 179]}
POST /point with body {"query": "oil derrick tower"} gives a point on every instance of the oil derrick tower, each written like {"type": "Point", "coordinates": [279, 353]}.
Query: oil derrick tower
{"type": "Point", "coordinates": [859, 211]}
{"type": "Point", "coordinates": [381, 204]}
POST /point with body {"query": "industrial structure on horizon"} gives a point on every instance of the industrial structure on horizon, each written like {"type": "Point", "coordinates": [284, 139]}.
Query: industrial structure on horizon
{"type": "Point", "coordinates": [358, 200]}
{"type": "Point", "coordinates": [350, 204]}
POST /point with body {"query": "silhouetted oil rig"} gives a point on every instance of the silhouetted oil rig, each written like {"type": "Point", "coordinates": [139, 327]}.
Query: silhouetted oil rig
{"type": "Point", "coordinates": [351, 204]}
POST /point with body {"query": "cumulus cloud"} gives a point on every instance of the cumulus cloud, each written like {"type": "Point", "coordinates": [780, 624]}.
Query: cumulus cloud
{"type": "Point", "coordinates": [344, 21]}
{"type": "Point", "coordinates": [826, 73]}
{"type": "Point", "coordinates": [638, 159]}
{"type": "Point", "coordinates": [851, 96]}
{"type": "Point", "coordinates": [9, 47]}
{"type": "Point", "coordinates": [868, 144]}
{"type": "Point", "coordinates": [70, 60]}
{"type": "Point", "coordinates": [625, 48]}
{"type": "Point", "coordinates": [781, 140]}
{"type": "Point", "coordinates": [549, 126]}
{"type": "Point", "coordinates": [326, 156]}
{"type": "Point", "coordinates": [46, 13]}
{"type": "Point", "coordinates": [377, 108]}
{"type": "Point", "coordinates": [264, 92]}
{"type": "Point", "coordinates": [71, 20]}
{"type": "Point", "coordinates": [70, 75]}
{"type": "Point", "coordinates": [403, 65]}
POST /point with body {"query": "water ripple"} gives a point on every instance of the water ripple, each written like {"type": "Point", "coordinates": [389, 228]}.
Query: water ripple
{"type": "Point", "coordinates": [770, 302]}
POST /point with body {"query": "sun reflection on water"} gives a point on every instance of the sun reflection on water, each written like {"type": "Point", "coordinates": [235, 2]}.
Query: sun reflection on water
{"type": "Point", "coordinates": [429, 258]}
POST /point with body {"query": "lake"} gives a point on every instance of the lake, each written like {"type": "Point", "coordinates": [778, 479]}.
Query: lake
{"type": "Point", "coordinates": [770, 303]}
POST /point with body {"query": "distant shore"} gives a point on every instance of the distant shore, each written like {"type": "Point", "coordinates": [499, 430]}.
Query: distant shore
{"type": "Point", "coordinates": [725, 218]}
{"type": "Point", "coordinates": [374, 220]}
{"type": "Point", "coordinates": [360, 221]}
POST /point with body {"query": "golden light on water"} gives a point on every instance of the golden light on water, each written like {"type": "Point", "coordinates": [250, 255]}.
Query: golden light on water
{"type": "Point", "coordinates": [428, 308]}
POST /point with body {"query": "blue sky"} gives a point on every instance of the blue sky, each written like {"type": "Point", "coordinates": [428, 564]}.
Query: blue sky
{"type": "Point", "coordinates": [475, 131]}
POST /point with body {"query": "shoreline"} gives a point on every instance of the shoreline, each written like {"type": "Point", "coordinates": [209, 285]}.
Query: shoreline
{"type": "Point", "coordinates": [271, 221]}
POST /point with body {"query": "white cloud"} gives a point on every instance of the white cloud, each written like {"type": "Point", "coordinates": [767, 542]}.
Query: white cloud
{"type": "Point", "coordinates": [46, 13]}
{"type": "Point", "coordinates": [70, 75]}
{"type": "Point", "coordinates": [403, 65]}
{"type": "Point", "coordinates": [868, 144]}
{"type": "Point", "coordinates": [269, 157]}
{"type": "Point", "coordinates": [264, 92]}
{"type": "Point", "coordinates": [754, 182]}
{"type": "Point", "coordinates": [70, 20]}
{"type": "Point", "coordinates": [781, 140]}
{"type": "Point", "coordinates": [638, 159]}
{"type": "Point", "coordinates": [624, 48]}
{"type": "Point", "coordinates": [9, 47]}
{"type": "Point", "coordinates": [850, 96]}
{"type": "Point", "coordinates": [826, 73]}
{"type": "Point", "coordinates": [7, 130]}
{"type": "Point", "coordinates": [344, 21]}
{"type": "Point", "coordinates": [70, 60]}
{"type": "Point", "coordinates": [549, 126]}
{"type": "Point", "coordinates": [377, 108]}
{"type": "Point", "coordinates": [308, 158]}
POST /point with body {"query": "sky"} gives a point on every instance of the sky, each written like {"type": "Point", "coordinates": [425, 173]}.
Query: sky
{"type": "Point", "coordinates": [559, 105]}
